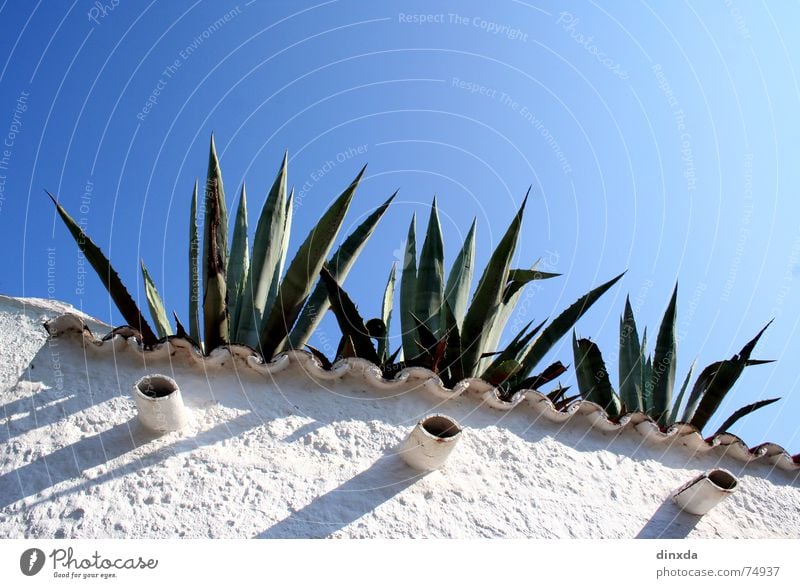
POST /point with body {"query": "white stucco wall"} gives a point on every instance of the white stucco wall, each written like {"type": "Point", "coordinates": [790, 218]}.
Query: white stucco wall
{"type": "Point", "coordinates": [286, 455]}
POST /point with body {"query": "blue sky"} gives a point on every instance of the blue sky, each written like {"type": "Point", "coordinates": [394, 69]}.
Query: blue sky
{"type": "Point", "coordinates": [658, 138]}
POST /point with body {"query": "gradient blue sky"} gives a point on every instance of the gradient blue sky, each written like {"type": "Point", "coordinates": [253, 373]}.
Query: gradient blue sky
{"type": "Point", "coordinates": [659, 138]}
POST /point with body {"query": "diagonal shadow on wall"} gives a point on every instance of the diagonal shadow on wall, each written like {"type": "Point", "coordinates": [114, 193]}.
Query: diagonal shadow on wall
{"type": "Point", "coordinates": [343, 505]}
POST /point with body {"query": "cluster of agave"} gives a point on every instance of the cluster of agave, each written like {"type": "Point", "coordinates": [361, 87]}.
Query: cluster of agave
{"type": "Point", "coordinates": [249, 297]}
{"type": "Point", "coordinates": [646, 382]}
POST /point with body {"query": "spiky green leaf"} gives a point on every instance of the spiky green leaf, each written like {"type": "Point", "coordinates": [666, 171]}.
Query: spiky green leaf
{"type": "Point", "coordinates": [194, 271]}
{"type": "Point", "coordinates": [430, 274]}
{"type": "Point", "coordinates": [665, 360]}
{"type": "Point", "coordinates": [239, 262]}
{"type": "Point", "coordinates": [456, 291]}
{"type": "Point", "coordinates": [488, 297]}
{"type": "Point", "coordinates": [215, 207]}
{"type": "Point", "coordinates": [109, 276]}
{"type": "Point", "coordinates": [349, 319]}
{"type": "Point", "coordinates": [339, 265]}
{"type": "Point", "coordinates": [215, 295]}
{"type": "Point", "coordinates": [302, 273]}
{"type": "Point", "coordinates": [630, 361]}
{"type": "Point", "coordinates": [676, 406]}
{"type": "Point", "coordinates": [722, 382]}
{"type": "Point", "coordinates": [592, 376]}
{"type": "Point", "coordinates": [408, 287]}
{"type": "Point", "coordinates": [265, 262]}
{"type": "Point", "coordinates": [387, 304]}
{"type": "Point", "coordinates": [743, 412]}
{"type": "Point", "coordinates": [561, 325]}
{"type": "Point", "coordinates": [523, 276]}
{"type": "Point", "coordinates": [157, 311]}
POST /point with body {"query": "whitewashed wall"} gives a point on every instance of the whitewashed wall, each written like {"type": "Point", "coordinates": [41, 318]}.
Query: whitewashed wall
{"type": "Point", "coordinates": [290, 456]}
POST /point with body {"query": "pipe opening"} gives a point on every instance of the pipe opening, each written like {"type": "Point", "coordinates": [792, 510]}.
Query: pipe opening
{"type": "Point", "coordinates": [156, 386]}
{"type": "Point", "coordinates": [441, 426]}
{"type": "Point", "coordinates": [722, 479]}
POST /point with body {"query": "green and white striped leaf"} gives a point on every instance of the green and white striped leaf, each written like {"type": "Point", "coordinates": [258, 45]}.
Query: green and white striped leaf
{"type": "Point", "coordinates": [156, 305]}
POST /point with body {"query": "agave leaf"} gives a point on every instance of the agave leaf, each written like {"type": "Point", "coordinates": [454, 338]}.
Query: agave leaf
{"type": "Point", "coordinates": [456, 292]}
{"type": "Point", "coordinates": [287, 233]}
{"type": "Point", "coordinates": [498, 374]}
{"type": "Point", "coordinates": [180, 331]}
{"type": "Point", "coordinates": [268, 244]}
{"type": "Point", "coordinates": [511, 295]}
{"type": "Point", "coordinates": [561, 325]}
{"type": "Point", "coordinates": [592, 376]}
{"type": "Point", "coordinates": [346, 348]}
{"type": "Point", "coordinates": [239, 262]}
{"type": "Point", "coordinates": [194, 271]}
{"type": "Point", "coordinates": [703, 380]}
{"type": "Point", "coordinates": [157, 311]}
{"type": "Point", "coordinates": [430, 274]}
{"type": "Point", "coordinates": [523, 276]}
{"type": "Point", "coordinates": [408, 287]}
{"type": "Point", "coordinates": [109, 276]}
{"type": "Point", "coordinates": [664, 363]}
{"type": "Point", "coordinates": [630, 361]}
{"type": "Point", "coordinates": [673, 416]}
{"type": "Point", "coordinates": [339, 265]}
{"type": "Point", "coordinates": [427, 339]}
{"type": "Point", "coordinates": [386, 315]}
{"type": "Point", "coordinates": [215, 257]}
{"type": "Point", "coordinates": [348, 318]}
{"type": "Point", "coordinates": [647, 385]}
{"type": "Point", "coordinates": [302, 272]}
{"type": "Point", "coordinates": [516, 347]}
{"type": "Point", "coordinates": [451, 370]}
{"type": "Point", "coordinates": [550, 373]}
{"type": "Point", "coordinates": [394, 355]}
{"type": "Point", "coordinates": [720, 384]}
{"type": "Point", "coordinates": [488, 297]}
{"type": "Point", "coordinates": [324, 361]}
{"type": "Point", "coordinates": [215, 191]}
{"type": "Point", "coordinates": [558, 394]}
{"type": "Point", "coordinates": [743, 412]}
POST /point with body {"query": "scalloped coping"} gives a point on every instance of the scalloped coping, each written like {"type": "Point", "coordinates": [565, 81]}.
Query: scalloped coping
{"type": "Point", "coordinates": [126, 338]}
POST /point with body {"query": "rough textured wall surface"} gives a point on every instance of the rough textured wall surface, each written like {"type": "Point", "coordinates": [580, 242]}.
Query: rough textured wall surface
{"type": "Point", "coordinates": [290, 455]}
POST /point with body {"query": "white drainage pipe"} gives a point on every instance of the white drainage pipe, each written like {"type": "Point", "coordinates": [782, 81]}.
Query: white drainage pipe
{"type": "Point", "coordinates": [159, 402]}
{"type": "Point", "coordinates": [702, 493]}
{"type": "Point", "coordinates": [430, 442]}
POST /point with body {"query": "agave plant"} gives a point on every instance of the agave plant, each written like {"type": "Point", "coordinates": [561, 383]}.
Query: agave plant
{"type": "Point", "coordinates": [646, 382]}
{"type": "Point", "coordinates": [247, 297]}
{"type": "Point", "coordinates": [444, 331]}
